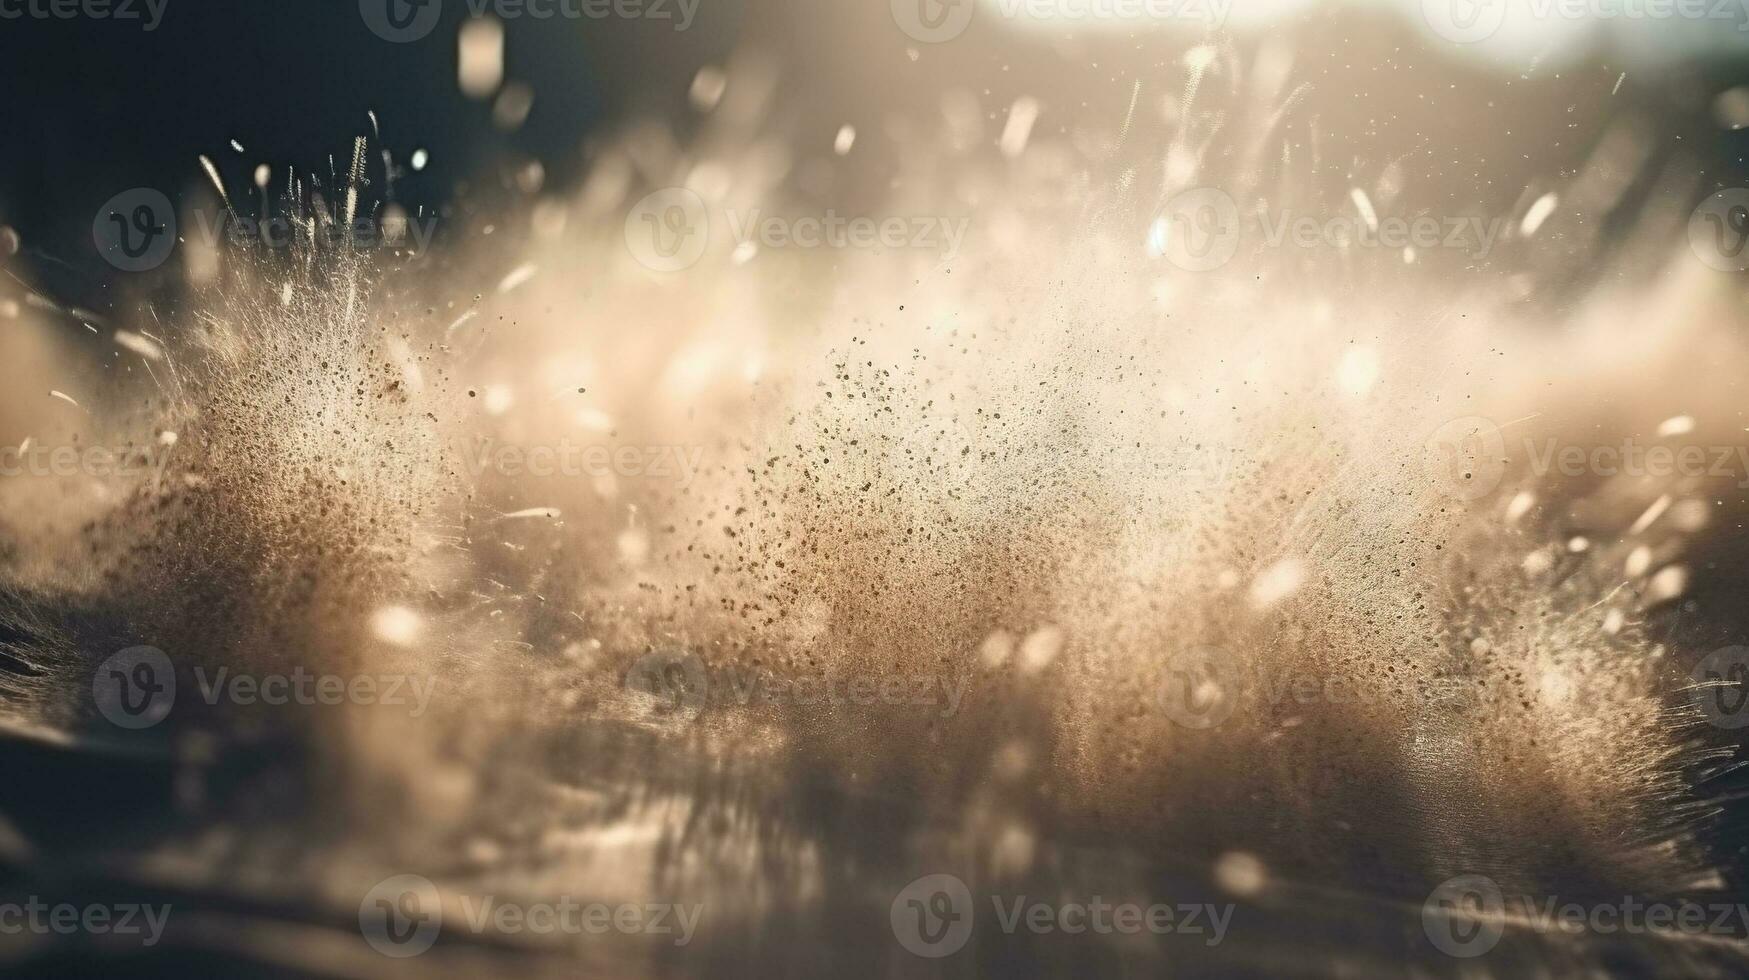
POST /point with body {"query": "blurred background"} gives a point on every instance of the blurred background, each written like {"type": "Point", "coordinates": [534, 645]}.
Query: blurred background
{"type": "Point", "coordinates": [964, 467]}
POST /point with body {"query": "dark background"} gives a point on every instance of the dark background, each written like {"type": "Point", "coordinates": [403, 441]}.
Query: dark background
{"type": "Point", "coordinates": [94, 107]}
{"type": "Point", "coordinates": [91, 108]}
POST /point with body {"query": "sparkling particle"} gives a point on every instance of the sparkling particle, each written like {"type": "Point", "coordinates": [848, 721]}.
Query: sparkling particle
{"type": "Point", "coordinates": [996, 650]}
{"type": "Point", "coordinates": [512, 106]}
{"type": "Point", "coordinates": [1538, 213]}
{"type": "Point", "coordinates": [1040, 649]}
{"type": "Point", "coordinates": [480, 57]}
{"type": "Point", "coordinates": [1018, 130]}
{"type": "Point", "coordinates": [1277, 582]}
{"type": "Point", "coordinates": [1651, 515]}
{"type": "Point", "coordinates": [707, 88]}
{"type": "Point", "coordinates": [139, 345]}
{"type": "Point", "coordinates": [1670, 582]}
{"type": "Point", "coordinates": [1639, 561]}
{"type": "Point", "coordinates": [1241, 873]}
{"type": "Point", "coordinates": [1359, 370]}
{"type": "Point", "coordinates": [1521, 504]}
{"type": "Point", "coordinates": [1679, 425]}
{"type": "Point", "coordinates": [499, 398]}
{"type": "Point", "coordinates": [397, 625]}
